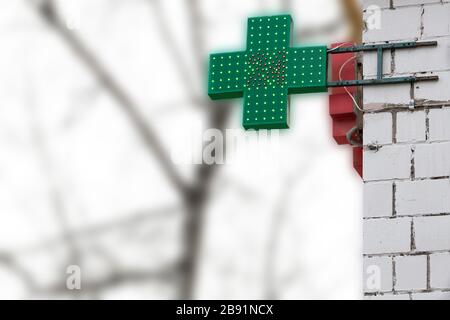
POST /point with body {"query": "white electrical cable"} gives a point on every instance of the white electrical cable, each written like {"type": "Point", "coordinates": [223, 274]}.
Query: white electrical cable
{"type": "Point", "coordinates": [339, 46]}
{"type": "Point", "coordinates": [345, 88]}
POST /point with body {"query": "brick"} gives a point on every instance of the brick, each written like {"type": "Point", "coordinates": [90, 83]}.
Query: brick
{"type": "Point", "coordinates": [378, 199]}
{"type": "Point", "coordinates": [411, 126]}
{"type": "Point", "coordinates": [422, 143]}
{"type": "Point", "coordinates": [388, 297]}
{"type": "Point", "coordinates": [382, 4]}
{"type": "Point", "coordinates": [382, 96]}
{"type": "Point", "coordinates": [372, 16]}
{"type": "Point", "coordinates": [377, 128]}
{"type": "Point", "coordinates": [387, 235]}
{"type": "Point", "coordinates": [432, 160]}
{"type": "Point", "coordinates": [436, 295]}
{"type": "Point", "coordinates": [440, 271]}
{"type": "Point", "coordinates": [422, 197]}
{"type": "Point", "coordinates": [432, 233]}
{"type": "Point", "coordinates": [402, 3]}
{"type": "Point", "coordinates": [436, 21]}
{"type": "Point", "coordinates": [377, 267]}
{"type": "Point", "coordinates": [436, 91]}
{"type": "Point", "coordinates": [392, 30]}
{"type": "Point", "coordinates": [389, 162]}
{"type": "Point", "coordinates": [423, 58]}
{"type": "Point", "coordinates": [370, 64]}
{"type": "Point", "coordinates": [411, 273]}
{"type": "Point", "coordinates": [439, 120]}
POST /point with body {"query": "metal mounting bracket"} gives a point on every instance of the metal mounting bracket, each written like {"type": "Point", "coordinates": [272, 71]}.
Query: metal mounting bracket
{"type": "Point", "coordinates": [379, 48]}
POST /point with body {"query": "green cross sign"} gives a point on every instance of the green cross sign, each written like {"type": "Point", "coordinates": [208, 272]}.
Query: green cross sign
{"type": "Point", "coordinates": [268, 72]}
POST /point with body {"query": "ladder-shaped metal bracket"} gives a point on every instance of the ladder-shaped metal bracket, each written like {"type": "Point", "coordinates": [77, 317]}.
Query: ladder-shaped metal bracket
{"type": "Point", "coordinates": [379, 48]}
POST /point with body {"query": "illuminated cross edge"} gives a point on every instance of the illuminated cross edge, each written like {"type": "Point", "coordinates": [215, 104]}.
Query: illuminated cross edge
{"type": "Point", "coordinates": [267, 72]}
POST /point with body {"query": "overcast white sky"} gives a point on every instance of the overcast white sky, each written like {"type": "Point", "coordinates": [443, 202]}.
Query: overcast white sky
{"type": "Point", "coordinates": [60, 131]}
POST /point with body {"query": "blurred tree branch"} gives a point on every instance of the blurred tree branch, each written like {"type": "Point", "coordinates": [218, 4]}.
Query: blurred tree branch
{"type": "Point", "coordinates": [48, 12]}
{"type": "Point", "coordinates": [130, 220]}
{"type": "Point", "coordinates": [168, 40]}
{"type": "Point", "coordinates": [354, 15]}
{"type": "Point", "coordinates": [55, 192]}
{"type": "Point", "coordinates": [200, 192]}
{"type": "Point", "coordinates": [278, 219]}
{"type": "Point", "coordinates": [196, 195]}
{"type": "Point", "coordinates": [117, 276]}
{"type": "Point", "coordinates": [9, 261]}
{"type": "Point", "coordinates": [164, 274]}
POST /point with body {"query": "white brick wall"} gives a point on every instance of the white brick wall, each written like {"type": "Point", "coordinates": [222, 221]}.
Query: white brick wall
{"type": "Point", "coordinates": [411, 126]}
{"type": "Point", "coordinates": [389, 162]}
{"type": "Point", "coordinates": [438, 122]}
{"type": "Point", "coordinates": [432, 160]}
{"type": "Point", "coordinates": [388, 297]}
{"type": "Point", "coordinates": [422, 197]}
{"type": "Point", "coordinates": [427, 58]}
{"type": "Point", "coordinates": [410, 30]}
{"type": "Point", "coordinates": [378, 198]}
{"type": "Point", "coordinates": [370, 64]}
{"type": "Point", "coordinates": [387, 236]}
{"type": "Point", "coordinates": [378, 274]}
{"type": "Point", "coordinates": [411, 273]}
{"type": "Point", "coordinates": [432, 233]}
{"type": "Point", "coordinates": [377, 128]}
{"type": "Point", "coordinates": [435, 295]}
{"type": "Point", "coordinates": [407, 157]}
{"type": "Point", "coordinates": [432, 90]}
{"type": "Point", "coordinates": [440, 265]}
{"type": "Point", "coordinates": [400, 3]}
{"type": "Point", "coordinates": [386, 96]}
{"type": "Point", "coordinates": [378, 3]}
{"type": "Point", "coordinates": [435, 21]}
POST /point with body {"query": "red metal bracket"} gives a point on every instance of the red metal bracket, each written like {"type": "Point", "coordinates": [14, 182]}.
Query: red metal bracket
{"type": "Point", "coordinates": [343, 67]}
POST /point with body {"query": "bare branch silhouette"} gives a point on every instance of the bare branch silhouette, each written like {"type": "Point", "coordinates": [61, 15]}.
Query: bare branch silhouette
{"type": "Point", "coordinates": [130, 220]}
{"type": "Point", "coordinates": [55, 192]}
{"type": "Point", "coordinates": [165, 274]}
{"type": "Point", "coordinates": [21, 272]}
{"type": "Point", "coordinates": [167, 39]}
{"type": "Point", "coordinates": [194, 197]}
{"type": "Point", "coordinates": [278, 220]}
{"type": "Point", "coordinates": [48, 12]}
{"type": "Point", "coordinates": [352, 9]}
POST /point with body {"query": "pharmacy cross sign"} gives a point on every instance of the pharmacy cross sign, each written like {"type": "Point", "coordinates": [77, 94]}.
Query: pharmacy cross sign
{"type": "Point", "coordinates": [267, 72]}
{"type": "Point", "coordinates": [270, 70]}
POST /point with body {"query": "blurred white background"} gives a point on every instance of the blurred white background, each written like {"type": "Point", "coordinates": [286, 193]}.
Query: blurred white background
{"type": "Point", "coordinates": [79, 185]}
